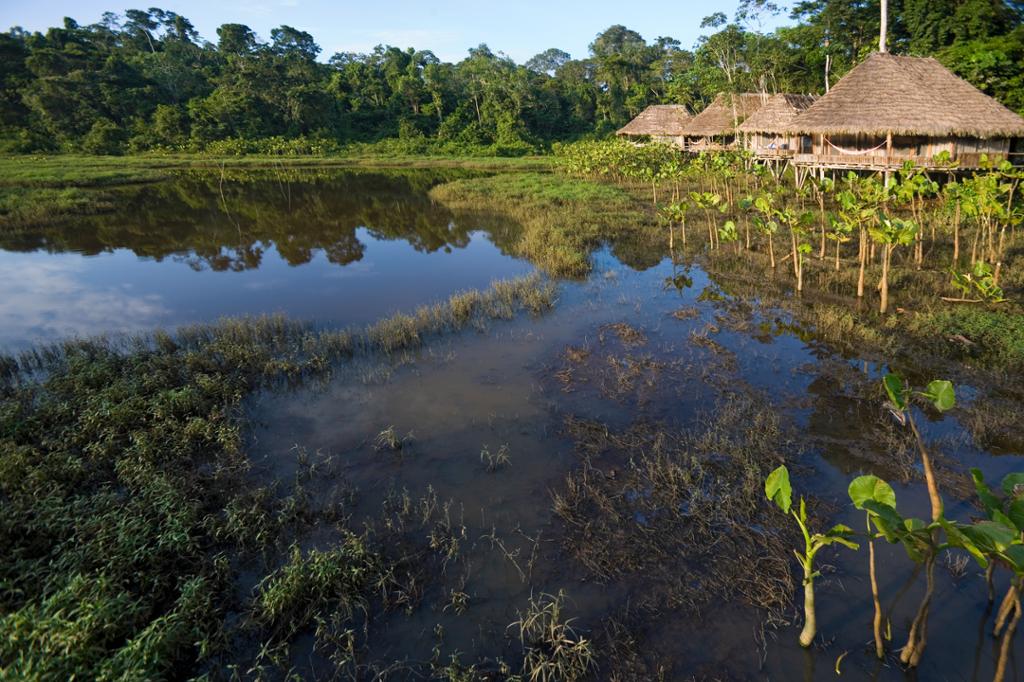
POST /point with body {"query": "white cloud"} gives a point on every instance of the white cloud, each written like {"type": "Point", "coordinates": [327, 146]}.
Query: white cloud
{"type": "Point", "coordinates": [49, 300]}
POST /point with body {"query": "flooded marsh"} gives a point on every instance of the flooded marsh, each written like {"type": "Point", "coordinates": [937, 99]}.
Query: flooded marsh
{"type": "Point", "coordinates": [469, 442]}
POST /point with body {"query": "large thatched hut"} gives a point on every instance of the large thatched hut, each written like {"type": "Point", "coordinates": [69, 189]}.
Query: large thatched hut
{"type": "Point", "coordinates": [891, 109]}
{"type": "Point", "coordinates": [659, 122]}
{"type": "Point", "coordinates": [715, 128]}
{"type": "Point", "coordinates": [764, 133]}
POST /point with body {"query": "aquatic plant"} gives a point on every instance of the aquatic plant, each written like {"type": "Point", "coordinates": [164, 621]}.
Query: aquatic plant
{"type": "Point", "coordinates": [890, 233]}
{"type": "Point", "coordinates": [999, 539]}
{"type": "Point", "coordinates": [940, 394]}
{"type": "Point", "coordinates": [553, 650]}
{"type": "Point", "coordinates": [777, 489]}
{"type": "Point", "coordinates": [866, 492]}
{"type": "Point", "coordinates": [496, 460]}
{"type": "Point", "coordinates": [978, 285]}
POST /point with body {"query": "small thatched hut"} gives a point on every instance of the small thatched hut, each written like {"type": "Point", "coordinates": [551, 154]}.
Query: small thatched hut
{"type": "Point", "coordinates": [715, 127]}
{"type": "Point", "coordinates": [891, 109]}
{"type": "Point", "coordinates": [659, 122]}
{"type": "Point", "coordinates": [765, 133]}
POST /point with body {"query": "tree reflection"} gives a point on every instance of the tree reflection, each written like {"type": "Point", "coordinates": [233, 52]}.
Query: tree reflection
{"type": "Point", "coordinates": [228, 222]}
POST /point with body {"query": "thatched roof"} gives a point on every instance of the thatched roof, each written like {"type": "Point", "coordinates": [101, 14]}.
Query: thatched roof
{"type": "Point", "coordinates": [658, 119]}
{"type": "Point", "coordinates": [777, 113]}
{"type": "Point", "coordinates": [907, 96]}
{"type": "Point", "coordinates": [718, 118]}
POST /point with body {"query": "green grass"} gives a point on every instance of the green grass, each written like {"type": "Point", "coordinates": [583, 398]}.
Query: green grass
{"type": "Point", "coordinates": [35, 190]}
{"type": "Point", "coordinates": [997, 334]}
{"type": "Point", "coordinates": [562, 219]}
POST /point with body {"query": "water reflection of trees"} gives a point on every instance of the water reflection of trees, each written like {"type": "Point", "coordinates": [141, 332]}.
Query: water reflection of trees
{"type": "Point", "coordinates": [229, 222]}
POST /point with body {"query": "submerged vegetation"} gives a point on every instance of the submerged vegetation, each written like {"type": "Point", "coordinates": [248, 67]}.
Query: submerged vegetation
{"type": "Point", "coordinates": [127, 504]}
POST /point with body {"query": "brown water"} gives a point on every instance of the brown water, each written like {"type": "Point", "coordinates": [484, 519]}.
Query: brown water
{"type": "Point", "coordinates": [348, 248]}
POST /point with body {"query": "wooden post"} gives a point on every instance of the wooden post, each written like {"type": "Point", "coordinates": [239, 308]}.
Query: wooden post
{"type": "Point", "coordinates": [888, 156]}
{"type": "Point", "coordinates": [882, 47]}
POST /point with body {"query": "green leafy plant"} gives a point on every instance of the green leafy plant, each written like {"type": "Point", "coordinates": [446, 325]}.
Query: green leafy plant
{"type": "Point", "coordinates": [872, 491]}
{"type": "Point", "coordinates": [978, 285]}
{"type": "Point", "coordinates": [998, 540]}
{"type": "Point", "coordinates": [890, 233]}
{"type": "Point", "coordinates": [777, 489]}
{"type": "Point", "coordinates": [941, 395]}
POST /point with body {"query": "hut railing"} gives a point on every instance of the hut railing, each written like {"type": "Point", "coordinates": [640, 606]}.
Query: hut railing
{"type": "Point", "coordinates": [883, 161]}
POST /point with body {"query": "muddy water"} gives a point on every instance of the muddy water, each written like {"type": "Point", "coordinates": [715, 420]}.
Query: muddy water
{"type": "Point", "coordinates": [352, 247]}
{"type": "Point", "coordinates": [508, 386]}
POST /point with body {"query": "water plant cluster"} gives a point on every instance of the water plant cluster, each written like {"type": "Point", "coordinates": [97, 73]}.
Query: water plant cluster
{"type": "Point", "coordinates": [994, 541]}
{"type": "Point", "coordinates": [131, 512]}
{"type": "Point", "coordinates": [946, 239]}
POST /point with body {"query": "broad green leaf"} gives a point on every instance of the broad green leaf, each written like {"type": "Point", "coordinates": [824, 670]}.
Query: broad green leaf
{"type": "Point", "coordinates": [958, 539]}
{"type": "Point", "coordinates": [998, 536]}
{"type": "Point", "coordinates": [778, 490]}
{"type": "Point", "coordinates": [864, 488]}
{"type": "Point", "coordinates": [888, 522]}
{"type": "Point", "coordinates": [1014, 555]}
{"type": "Point", "coordinates": [988, 499]}
{"type": "Point", "coordinates": [941, 393]}
{"type": "Point", "coordinates": [895, 388]}
{"type": "Point", "coordinates": [840, 540]}
{"type": "Point", "coordinates": [1011, 482]}
{"type": "Point", "coordinates": [1001, 518]}
{"type": "Point", "coordinates": [1016, 513]}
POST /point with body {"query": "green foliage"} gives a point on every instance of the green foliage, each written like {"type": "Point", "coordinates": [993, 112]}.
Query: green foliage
{"type": "Point", "coordinates": [939, 393]}
{"type": "Point", "coordinates": [319, 585]}
{"type": "Point", "coordinates": [778, 489]}
{"type": "Point", "coordinates": [997, 336]}
{"type": "Point", "coordinates": [871, 489]}
{"type": "Point", "coordinates": [979, 283]}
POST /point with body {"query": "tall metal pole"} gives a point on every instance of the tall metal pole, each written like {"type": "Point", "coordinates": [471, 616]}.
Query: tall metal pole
{"type": "Point", "coordinates": [884, 26]}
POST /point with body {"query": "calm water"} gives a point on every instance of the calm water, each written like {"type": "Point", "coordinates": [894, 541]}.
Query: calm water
{"type": "Point", "coordinates": [347, 248]}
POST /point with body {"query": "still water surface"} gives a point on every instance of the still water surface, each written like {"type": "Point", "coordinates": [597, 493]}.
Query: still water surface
{"type": "Point", "coordinates": [346, 248]}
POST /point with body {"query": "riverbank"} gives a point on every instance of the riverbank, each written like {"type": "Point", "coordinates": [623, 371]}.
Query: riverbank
{"type": "Point", "coordinates": [38, 189]}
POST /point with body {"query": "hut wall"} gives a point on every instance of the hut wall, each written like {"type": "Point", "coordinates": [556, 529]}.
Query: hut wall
{"type": "Point", "coordinates": [970, 150]}
{"type": "Point", "coordinates": [769, 143]}
{"type": "Point", "coordinates": [871, 150]}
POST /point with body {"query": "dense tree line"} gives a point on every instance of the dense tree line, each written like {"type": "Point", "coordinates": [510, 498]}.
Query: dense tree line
{"type": "Point", "coordinates": [146, 80]}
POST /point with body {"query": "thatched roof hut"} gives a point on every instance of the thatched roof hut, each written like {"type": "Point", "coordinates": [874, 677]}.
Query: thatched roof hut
{"type": "Point", "coordinates": [777, 113]}
{"type": "Point", "coordinates": [657, 121]}
{"type": "Point", "coordinates": [907, 96]}
{"type": "Point", "coordinates": [721, 116]}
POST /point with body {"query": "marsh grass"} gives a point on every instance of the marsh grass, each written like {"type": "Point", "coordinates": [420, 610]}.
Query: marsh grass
{"type": "Point", "coordinates": [553, 650]}
{"type": "Point", "coordinates": [495, 461]}
{"type": "Point", "coordinates": [562, 220]}
{"type": "Point", "coordinates": [125, 485]}
{"type": "Point", "coordinates": [680, 511]}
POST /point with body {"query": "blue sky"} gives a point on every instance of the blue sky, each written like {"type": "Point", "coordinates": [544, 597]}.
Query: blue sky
{"type": "Point", "coordinates": [519, 29]}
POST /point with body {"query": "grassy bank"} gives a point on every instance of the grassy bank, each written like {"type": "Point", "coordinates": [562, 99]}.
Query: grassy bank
{"type": "Point", "coordinates": [563, 219]}
{"type": "Point", "coordinates": [39, 189]}
{"type": "Point", "coordinates": [127, 514]}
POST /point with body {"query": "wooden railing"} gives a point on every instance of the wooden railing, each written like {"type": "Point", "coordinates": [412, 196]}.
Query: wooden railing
{"type": "Point", "coordinates": [774, 153]}
{"type": "Point", "coordinates": [884, 162]}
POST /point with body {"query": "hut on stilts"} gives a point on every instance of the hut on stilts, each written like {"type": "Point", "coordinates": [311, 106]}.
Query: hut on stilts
{"type": "Point", "coordinates": [892, 109]}
{"type": "Point", "coordinates": [716, 128]}
{"type": "Point", "coordinates": [658, 122]}
{"type": "Point", "coordinates": [765, 135]}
